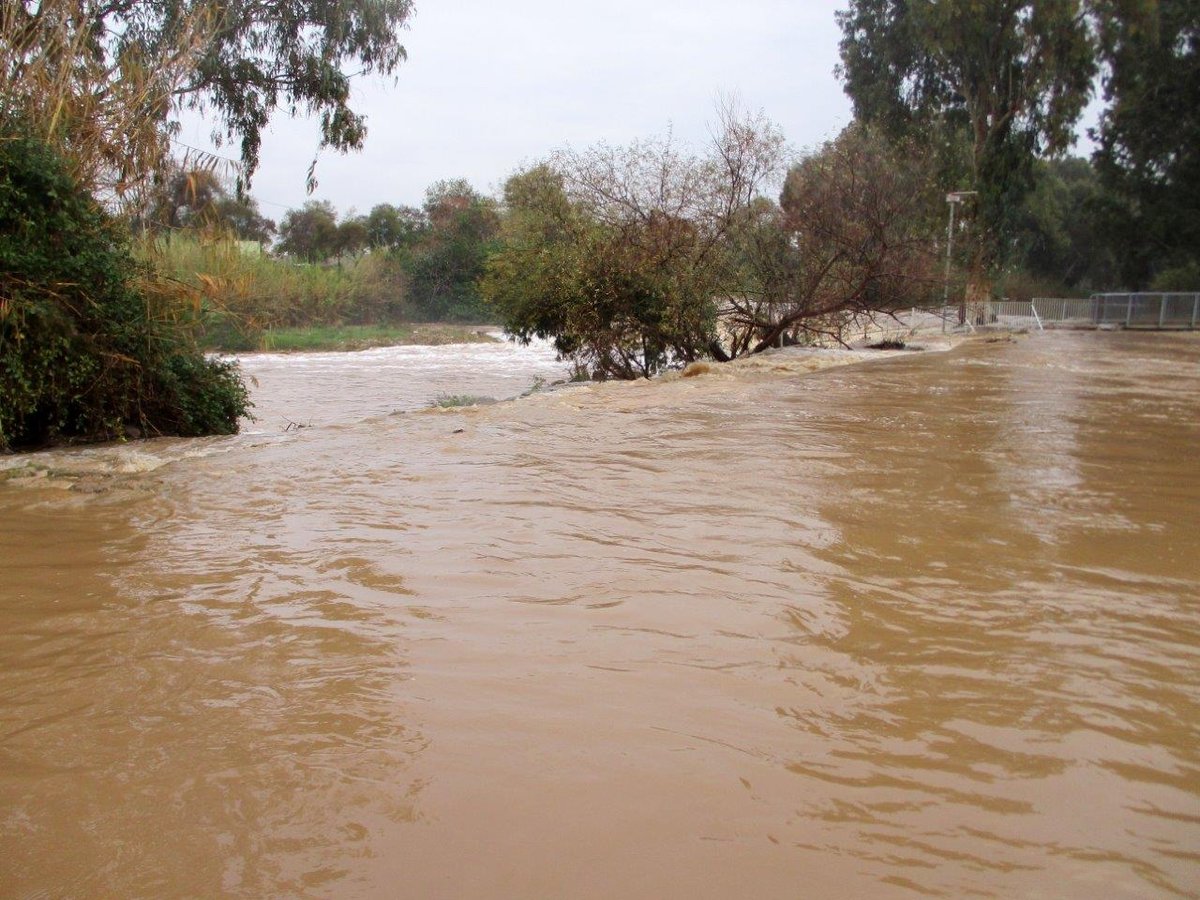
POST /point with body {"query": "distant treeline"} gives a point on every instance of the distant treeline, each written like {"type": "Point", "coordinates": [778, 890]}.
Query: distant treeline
{"type": "Point", "coordinates": [405, 263]}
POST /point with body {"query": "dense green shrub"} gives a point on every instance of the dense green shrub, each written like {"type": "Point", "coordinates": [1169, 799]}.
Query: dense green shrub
{"type": "Point", "coordinates": [87, 350]}
{"type": "Point", "coordinates": [1185, 278]}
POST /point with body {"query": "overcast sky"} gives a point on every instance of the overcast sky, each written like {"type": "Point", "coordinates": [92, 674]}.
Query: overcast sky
{"type": "Point", "coordinates": [491, 85]}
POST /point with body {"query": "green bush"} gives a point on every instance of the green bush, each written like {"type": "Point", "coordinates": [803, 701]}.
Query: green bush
{"type": "Point", "coordinates": [87, 348]}
{"type": "Point", "coordinates": [1185, 279]}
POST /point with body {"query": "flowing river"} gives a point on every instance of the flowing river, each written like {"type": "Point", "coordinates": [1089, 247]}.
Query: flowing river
{"type": "Point", "coordinates": [929, 624]}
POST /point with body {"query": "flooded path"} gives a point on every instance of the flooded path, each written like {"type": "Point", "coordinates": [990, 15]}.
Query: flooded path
{"type": "Point", "coordinates": [927, 625]}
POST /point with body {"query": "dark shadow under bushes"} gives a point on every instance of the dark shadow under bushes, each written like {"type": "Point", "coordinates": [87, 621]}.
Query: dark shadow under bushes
{"type": "Point", "coordinates": [91, 346]}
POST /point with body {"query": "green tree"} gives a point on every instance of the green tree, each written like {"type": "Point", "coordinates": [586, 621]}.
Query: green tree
{"type": "Point", "coordinates": [445, 265]}
{"type": "Point", "coordinates": [1008, 77]}
{"type": "Point", "coordinates": [622, 255]}
{"type": "Point", "coordinates": [352, 236]}
{"type": "Point", "coordinates": [595, 288]}
{"type": "Point", "coordinates": [1149, 135]}
{"type": "Point", "coordinates": [108, 79]}
{"type": "Point", "coordinates": [311, 232]}
{"type": "Point", "coordinates": [1056, 235]}
{"type": "Point", "coordinates": [394, 227]}
{"type": "Point", "coordinates": [241, 217]}
{"type": "Point", "coordinates": [198, 200]}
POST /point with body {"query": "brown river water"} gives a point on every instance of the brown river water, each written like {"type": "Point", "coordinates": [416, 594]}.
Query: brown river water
{"type": "Point", "coordinates": [929, 624]}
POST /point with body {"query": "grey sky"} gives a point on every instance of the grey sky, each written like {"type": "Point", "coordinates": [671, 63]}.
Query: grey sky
{"type": "Point", "coordinates": [491, 85]}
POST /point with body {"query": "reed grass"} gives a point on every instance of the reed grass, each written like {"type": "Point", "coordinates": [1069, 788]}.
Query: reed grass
{"type": "Point", "coordinates": [240, 298]}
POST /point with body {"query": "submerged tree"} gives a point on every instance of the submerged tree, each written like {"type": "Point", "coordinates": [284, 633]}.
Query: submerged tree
{"type": "Point", "coordinates": [1008, 77]}
{"type": "Point", "coordinates": [853, 235]}
{"type": "Point", "coordinates": [638, 258]}
{"type": "Point", "coordinates": [620, 254]}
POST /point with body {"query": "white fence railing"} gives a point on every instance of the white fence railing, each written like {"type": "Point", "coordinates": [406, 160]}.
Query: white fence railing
{"type": "Point", "coordinates": [1124, 310]}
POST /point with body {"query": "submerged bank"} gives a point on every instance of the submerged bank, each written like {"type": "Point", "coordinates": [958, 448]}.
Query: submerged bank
{"type": "Point", "coordinates": [306, 389]}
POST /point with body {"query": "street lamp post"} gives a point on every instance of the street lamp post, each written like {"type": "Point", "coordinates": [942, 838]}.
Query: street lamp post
{"type": "Point", "coordinates": [953, 198]}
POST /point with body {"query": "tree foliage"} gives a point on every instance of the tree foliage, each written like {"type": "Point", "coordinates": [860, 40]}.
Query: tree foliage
{"type": "Point", "coordinates": [1008, 77]}
{"type": "Point", "coordinates": [638, 258]}
{"type": "Point", "coordinates": [86, 348]}
{"type": "Point", "coordinates": [854, 235]}
{"type": "Point", "coordinates": [619, 253]}
{"type": "Point", "coordinates": [311, 232]}
{"type": "Point", "coordinates": [105, 80]}
{"type": "Point", "coordinates": [445, 264]}
{"type": "Point", "coordinates": [1057, 233]}
{"type": "Point", "coordinates": [198, 200]}
{"type": "Point", "coordinates": [100, 101]}
{"type": "Point", "coordinates": [1149, 135]}
{"type": "Point", "coordinates": [395, 228]}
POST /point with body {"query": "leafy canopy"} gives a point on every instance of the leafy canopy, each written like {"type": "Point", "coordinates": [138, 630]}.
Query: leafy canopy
{"type": "Point", "coordinates": [88, 348]}
{"type": "Point", "coordinates": [1149, 135]}
{"type": "Point", "coordinates": [1008, 77]}
{"type": "Point", "coordinates": [110, 77]}
{"type": "Point", "coordinates": [311, 232]}
{"type": "Point", "coordinates": [445, 259]}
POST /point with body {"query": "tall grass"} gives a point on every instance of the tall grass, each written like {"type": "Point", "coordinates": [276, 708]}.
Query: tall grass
{"type": "Point", "coordinates": [242, 294]}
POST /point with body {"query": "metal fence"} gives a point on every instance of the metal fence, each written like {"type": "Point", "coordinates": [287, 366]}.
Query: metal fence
{"type": "Point", "coordinates": [1124, 310]}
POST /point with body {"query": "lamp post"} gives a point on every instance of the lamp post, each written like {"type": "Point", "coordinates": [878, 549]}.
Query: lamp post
{"type": "Point", "coordinates": [953, 198]}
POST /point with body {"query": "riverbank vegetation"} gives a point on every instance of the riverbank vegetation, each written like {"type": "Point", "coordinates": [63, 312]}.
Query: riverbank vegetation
{"type": "Point", "coordinates": [90, 343]}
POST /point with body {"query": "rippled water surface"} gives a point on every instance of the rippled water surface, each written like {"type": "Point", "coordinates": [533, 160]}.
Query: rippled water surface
{"type": "Point", "coordinates": [925, 625]}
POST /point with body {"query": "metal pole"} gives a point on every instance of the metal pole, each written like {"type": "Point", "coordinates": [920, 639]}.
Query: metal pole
{"type": "Point", "coordinates": [1162, 310]}
{"type": "Point", "coordinates": [1195, 309]}
{"type": "Point", "coordinates": [1129, 311]}
{"type": "Point", "coordinates": [949, 248]}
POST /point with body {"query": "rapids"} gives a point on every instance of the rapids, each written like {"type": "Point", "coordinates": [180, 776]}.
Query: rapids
{"type": "Point", "coordinates": [929, 624]}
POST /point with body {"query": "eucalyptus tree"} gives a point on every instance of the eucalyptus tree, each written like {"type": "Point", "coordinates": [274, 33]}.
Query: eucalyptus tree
{"type": "Point", "coordinates": [1009, 78]}
{"type": "Point", "coordinates": [1149, 134]}
{"type": "Point", "coordinates": [107, 79]}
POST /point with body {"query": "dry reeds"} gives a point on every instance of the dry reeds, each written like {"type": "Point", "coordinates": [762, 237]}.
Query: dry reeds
{"type": "Point", "coordinates": [102, 102]}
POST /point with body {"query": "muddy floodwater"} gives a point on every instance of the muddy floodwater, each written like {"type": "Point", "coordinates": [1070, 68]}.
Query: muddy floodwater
{"type": "Point", "coordinates": [929, 624]}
